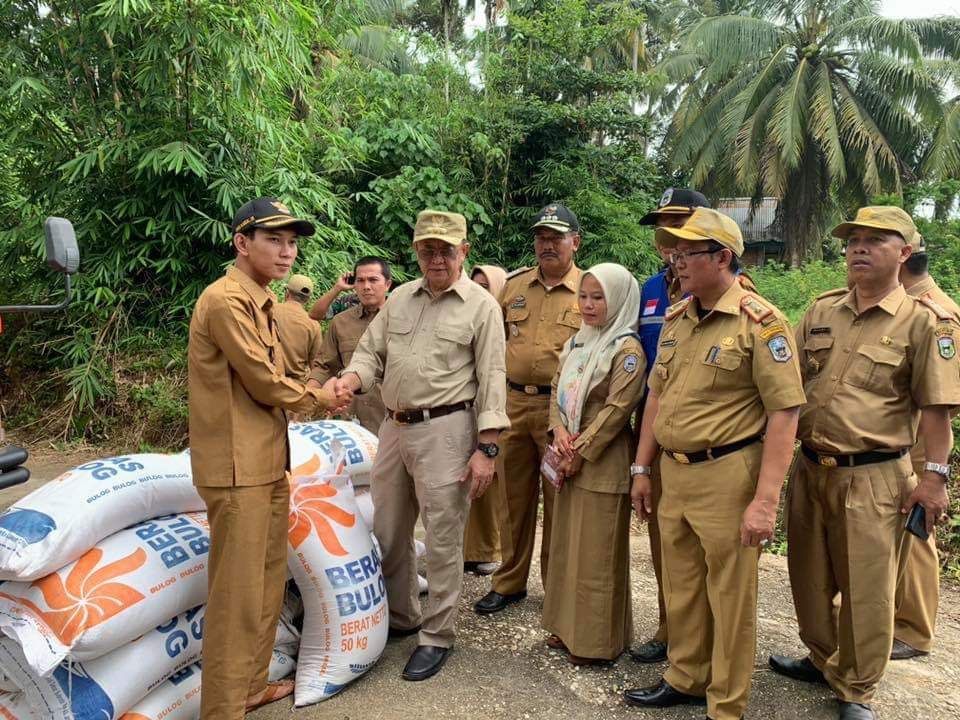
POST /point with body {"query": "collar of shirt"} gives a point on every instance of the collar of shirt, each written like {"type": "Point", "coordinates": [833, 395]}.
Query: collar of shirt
{"type": "Point", "coordinates": [360, 312]}
{"type": "Point", "coordinates": [925, 285]}
{"type": "Point", "coordinates": [571, 280]}
{"type": "Point", "coordinates": [461, 287]}
{"type": "Point", "coordinates": [263, 297]}
{"type": "Point", "coordinates": [728, 303]}
{"type": "Point", "coordinates": [890, 303]}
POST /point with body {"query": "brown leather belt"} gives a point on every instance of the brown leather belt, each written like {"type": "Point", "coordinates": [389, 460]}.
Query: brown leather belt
{"type": "Point", "coordinates": [699, 456]}
{"type": "Point", "coordinates": [411, 417]}
{"type": "Point", "coordinates": [529, 389]}
{"type": "Point", "coordinates": [855, 460]}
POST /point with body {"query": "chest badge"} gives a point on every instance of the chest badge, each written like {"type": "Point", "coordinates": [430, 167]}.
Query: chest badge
{"type": "Point", "coordinates": [727, 341]}
{"type": "Point", "coordinates": [946, 347]}
{"type": "Point", "coordinates": [514, 330]}
{"type": "Point", "coordinates": [885, 340]}
{"type": "Point", "coordinates": [518, 302]}
{"type": "Point", "coordinates": [779, 348]}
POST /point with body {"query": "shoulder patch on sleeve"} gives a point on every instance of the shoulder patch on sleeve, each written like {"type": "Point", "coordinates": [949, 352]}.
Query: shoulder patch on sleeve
{"type": "Point", "coordinates": [938, 310]}
{"type": "Point", "coordinates": [519, 271]}
{"type": "Point", "coordinates": [677, 308]}
{"type": "Point", "coordinates": [756, 310]}
{"type": "Point", "coordinates": [832, 293]}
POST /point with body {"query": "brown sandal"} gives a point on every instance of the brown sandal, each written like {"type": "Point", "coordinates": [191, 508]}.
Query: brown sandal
{"type": "Point", "coordinates": [274, 691]}
{"type": "Point", "coordinates": [554, 642]}
{"type": "Point", "coordinates": [584, 661]}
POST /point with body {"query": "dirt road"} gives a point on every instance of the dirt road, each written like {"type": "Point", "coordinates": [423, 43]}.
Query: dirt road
{"type": "Point", "coordinates": [501, 668]}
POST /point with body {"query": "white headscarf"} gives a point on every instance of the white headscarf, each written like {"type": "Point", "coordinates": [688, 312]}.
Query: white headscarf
{"type": "Point", "coordinates": [588, 355]}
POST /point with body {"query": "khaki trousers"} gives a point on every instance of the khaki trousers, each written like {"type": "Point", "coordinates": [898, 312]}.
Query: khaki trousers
{"type": "Point", "coordinates": [247, 572]}
{"type": "Point", "coordinates": [481, 539]}
{"type": "Point", "coordinates": [520, 486]}
{"type": "Point", "coordinates": [918, 593]}
{"type": "Point", "coordinates": [844, 533]}
{"type": "Point", "coordinates": [417, 472]}
{"type": "Point", "coordinates": [653, 529]}
{"type": "Point", "coordinates": [710, 578]}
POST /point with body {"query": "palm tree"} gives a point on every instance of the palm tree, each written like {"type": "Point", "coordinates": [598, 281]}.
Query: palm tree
{"type": "Point", "coordinates": [815, 102]}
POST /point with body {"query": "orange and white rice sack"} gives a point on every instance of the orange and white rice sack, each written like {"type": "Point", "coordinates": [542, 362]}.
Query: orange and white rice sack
{"type": "Point", "coordinates": [179, 697]}
{"type": "Point", "coordinates": [108, 686]}
{"type": "Point", "coordinates": [336, 565]}
{"type": "Point", "coordinates": [61, 520]}
{"type": "Point", "coordinates": [14, 706]}
{"type": "Point", "coordinates": [316, 447]}
{"type": "Point", "coordinates": [125, 586]}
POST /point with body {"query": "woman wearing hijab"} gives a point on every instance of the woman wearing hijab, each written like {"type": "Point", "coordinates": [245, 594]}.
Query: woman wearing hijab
{"type": "Point", "coordinates": [481, 537]}
{"type": "Point", "coordinates": [599, 382]}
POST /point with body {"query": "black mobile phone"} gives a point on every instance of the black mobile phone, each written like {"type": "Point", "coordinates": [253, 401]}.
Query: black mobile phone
{"type": "Point", "coordinates": [351, 279]}
{"type": "Point", "coordinates": [917, 522]}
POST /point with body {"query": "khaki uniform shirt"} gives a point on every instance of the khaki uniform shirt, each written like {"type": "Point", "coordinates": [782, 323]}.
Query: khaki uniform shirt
{"type": "Point", "coordinates": [431, 350]}
{"type": "Point", "coordinates": [539, 321]}
{"type": "Point", "coordinates": [299, 338]}
{"type": "Point", "coordinates": [867, 375]}
{"type": "Point", "coordinates": [336, 352]}
{"type": "Point", "coordinates": [237, 387]}
{"type": "Point", "coordinates": [717, 378]}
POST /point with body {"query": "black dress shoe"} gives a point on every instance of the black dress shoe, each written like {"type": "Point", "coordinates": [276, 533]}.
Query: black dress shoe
{"type": "Point", "coordinates": [425, 662]}
{"type": "Point", "coordinates": [803, 670]}
{"type": "Point", "coordinates": [902, 651]}
{"type": "Point", "coordinates": [855, 711]}
{"type": "Point", "coordinates": [494, 602]}
{"type": "Point", "coordinates": [394, 633]}
{"type": "Point", "coordinates": [662, 695]}
{"type": "Point", "coordinates": [652, 651]}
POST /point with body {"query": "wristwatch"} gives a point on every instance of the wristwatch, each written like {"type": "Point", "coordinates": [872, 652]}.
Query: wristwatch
{"type": "Point", "coordinates": [640, 470]}
{"type": "Point", "coordinates": [943, 470]}
{"type": "Point", "coordinates": [491, 450]}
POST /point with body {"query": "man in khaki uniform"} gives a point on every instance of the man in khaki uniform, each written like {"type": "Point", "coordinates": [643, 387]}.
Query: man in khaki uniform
{"type": "Point", "coordinates": [877, 365]}
{"type": "Point", "coordinates": [299, 335]}
{"type": "Point", "coordinates": [724, 398]}
{"type": "Point", "coordinates": [438, 347]}
{"type": "Point", "coordinates": [918, 588]}
{"type": "Point", "coordinates": [239, 454]}
{"type": "Point", "coordinates": [372, 278]}
{"type": "Point", "coordinates": [541, 313]}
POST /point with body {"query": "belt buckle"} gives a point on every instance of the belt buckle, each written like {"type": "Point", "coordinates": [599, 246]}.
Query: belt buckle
{"type": "Point", "coordinates": [531, 389]}
{"type": "Point", "coordinates": [681, 458]}
{"type": "Point", "coordinates": [827, 461]}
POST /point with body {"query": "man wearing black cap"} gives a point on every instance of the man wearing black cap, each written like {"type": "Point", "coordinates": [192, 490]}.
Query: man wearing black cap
{"type": "Point", "coordinates": [238, 393]}
{"type": "Point", "coordinates": [658, 293]}
{"type": "Point", "coordinates": [541, 312]}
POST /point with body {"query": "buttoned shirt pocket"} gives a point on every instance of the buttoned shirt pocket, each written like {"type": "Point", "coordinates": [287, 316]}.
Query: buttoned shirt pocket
{"type": "Point", "coordinates": [663, 367]}
{"type": "Point", "coordinates": [873, 367]}
{"type": "Point", "coordinates": [268, 338]}
{"type": "Point", "coordinates": [720, 373]}
{"type": "Point", "coordinates": [451, 349]}
{"type": "Point", "coordinates": [570, 318]}
{"type": "Point", "coordinates": [516, 318]}
{"type": "Point", "coordinates": [816, 349]}
{"type": "Point", "coordinates": [399, 337]}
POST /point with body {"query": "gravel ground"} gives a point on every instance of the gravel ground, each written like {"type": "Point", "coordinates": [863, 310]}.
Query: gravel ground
{"type": "Point", "coordinates": [501, 668]}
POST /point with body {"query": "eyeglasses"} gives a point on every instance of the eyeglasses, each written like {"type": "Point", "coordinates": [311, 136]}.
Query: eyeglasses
{"type": "Point", "coordinates": [675, 257]}
{"type": "Point", "coordinates": [447, 252]}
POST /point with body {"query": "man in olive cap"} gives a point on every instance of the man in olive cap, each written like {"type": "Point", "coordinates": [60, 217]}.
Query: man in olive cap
{"type": "Point", "coordinates": [239, 453]}
{"type": "Point", "coordinates": [300, 336]}
{"type": "Point", "coordinates": [880, 371]}
{"type": "Point", "coordinates": [724, 398]}
{"type": "Point", "coordinates": [438, 347]}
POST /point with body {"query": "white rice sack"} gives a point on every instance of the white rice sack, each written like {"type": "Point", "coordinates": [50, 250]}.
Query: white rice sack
{"type": "Point", "coordinates": [14, 706]}
{"type": "Point", "coordinates": [108, 686]}
{"type": "Point", "coordinates": [127, 585]}
{"type": "Point", "coordinates": [179, 697]}
{"type": "Point", "coordinates": [287, 639]}
{"type": "Point", "coordinates": [315, 447]}
{"type": "Point", "coordinates": [60, 521]}
{"type": "Point", "coordinates": [337, 568]}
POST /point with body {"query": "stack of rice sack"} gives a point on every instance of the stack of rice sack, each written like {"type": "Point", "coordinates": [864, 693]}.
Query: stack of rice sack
{"type": "Point", "coordinates": [104, 574]}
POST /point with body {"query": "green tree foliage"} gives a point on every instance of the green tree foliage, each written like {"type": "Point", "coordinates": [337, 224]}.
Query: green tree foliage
{"type": "Point", "coordinates": [813, 102]}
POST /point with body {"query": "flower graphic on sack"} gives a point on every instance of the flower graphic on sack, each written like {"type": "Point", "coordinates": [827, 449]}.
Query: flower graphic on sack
{"type": "Point", "coordinates": [307, 469]}
{"type": "Point", "coordinates": [310, 509]}
{"type": "Point", "coordinates": [88, 597]}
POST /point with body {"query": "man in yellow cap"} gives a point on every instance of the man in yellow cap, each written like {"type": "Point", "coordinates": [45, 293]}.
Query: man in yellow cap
{"type": "Point", "coordinates": [918, 589]}
{"type": "Point", "coordinates": [300, 336]}
{"type": "Point", "coordinates": [438, 348]}
{"type": "Point", "coordinates": [879, 367]}
{"type": "Point", "coordinates": [724, 398]}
